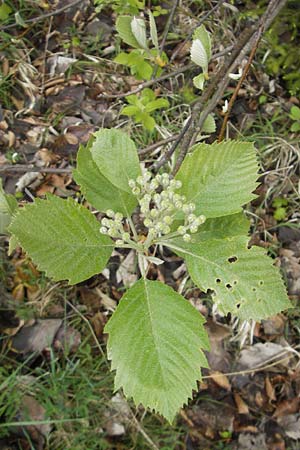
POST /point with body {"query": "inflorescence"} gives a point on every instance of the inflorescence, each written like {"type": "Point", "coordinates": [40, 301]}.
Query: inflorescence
{"type": "Point", "coordinates": [160, 205]}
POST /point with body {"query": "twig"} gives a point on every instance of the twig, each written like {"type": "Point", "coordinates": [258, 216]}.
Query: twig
{"type": "Point", "coordinates": [162, 78]}
{"type": "Point", "coordinates": [167, 28]}
{"type": "Point", "coordinates": [222, 79]}
{"type": "Point", "coordinates": [239, 84]}
{"type": "Point", "coordinates": [27, 168]}
{"type": "Point", "coordinates": [201, 21]}
{"type": "Point", "coordinates": [43, 16]}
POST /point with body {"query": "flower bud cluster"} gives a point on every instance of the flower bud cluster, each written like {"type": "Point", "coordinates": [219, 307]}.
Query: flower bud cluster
{"type": "Point", "coordinates": [159, 204]}
{"type": "Point", "coordinates": [112, 225]}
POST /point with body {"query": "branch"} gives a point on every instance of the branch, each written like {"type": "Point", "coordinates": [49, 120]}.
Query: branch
{"type": "Point", "coordinates": [44, 16]}
{"type": "Point", "coordinates": [221, 81]}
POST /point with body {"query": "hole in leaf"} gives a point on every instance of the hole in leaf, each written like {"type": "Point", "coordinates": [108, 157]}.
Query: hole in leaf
{"type": "Point", "coordinates": [232, 259]}
{"type": "Point", "coordinates": [254, 289]}
{"type": "Point", "coordinates": [261, 282]}
{"type": "Point", "coordinates": [218, 281]}
{"type": "Point", "coordinates": [228, 286]}
{"type": "Point", "coordinates": [238, 305]}
{"type": "Point", "coordinates": [235, 282]}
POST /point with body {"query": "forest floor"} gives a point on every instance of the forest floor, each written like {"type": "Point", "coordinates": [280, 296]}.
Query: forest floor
{"type": "Point", "coordinates": [59, 83]}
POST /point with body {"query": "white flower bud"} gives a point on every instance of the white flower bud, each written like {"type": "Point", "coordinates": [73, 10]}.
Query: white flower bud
{"type": "Point", "coordinates": [132, 184]}
{"type": "Point", "coordinates": [148, 222]}
{"type": "Point", "coordinates": [202, 219]}
{"type": "Point", "coordinates": [178, 204]}
{"type": "Point", "coordinates": [166, 229]}
{"type": "Point", "coordinates": [106, 222]}
{"type": "Point", "coordinates": [125, 236]}
{"type": "Point", "coordinates": [144, 209]}
{"type": "Point", "coordinates": [192, 207]}
{"type": "Point", "coordinates": [165, 204]}
{"type": "Point", "coordinates": [159, 226]}
{"type": "Point", "coordinates": [119, 242]}
{"type": "Point", "coordinates": [186, 237]}
{"type": "Point", "coordinates": [178, 184]}
{"type": "Point", "coordinates": [110, 213]}
{"type": "Point", "coordinates": [147, 175]}
{"type": "Point", "coordinates": [136, 191]}
{"type": "Point", "coordinates": [157, 198]}
{"type": "Point", "coordinates": [140, 180]}
{"type": "Point", "coordinates": [168, 220]}
{"type": "Point", "coordinates": [118, 217]}
{"type": "Point", "coordinates": [181, 229]}
{"type": "Point", "coordinates": [193, 228]}
{"type": "Point", "coordinates": [103, 230]}
{"type": "Point", "coordinates": [154, 185]}
{"type": "Point", "coordinates": [158, 178]}
{"type": "Point", "coordinates": [191, 218]}
{"type": "Point", "coordinates": [154, 213]}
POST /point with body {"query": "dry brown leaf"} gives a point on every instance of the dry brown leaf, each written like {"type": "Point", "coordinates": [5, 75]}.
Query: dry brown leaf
{"type": "Point", "coordinates": [270, 389]}
{"type": "Point", "coordinates": [287, 407]}
{"type": "Point", "coordinates": [240, 404]}
{"type": "Point", "coordinates": [221, 380]}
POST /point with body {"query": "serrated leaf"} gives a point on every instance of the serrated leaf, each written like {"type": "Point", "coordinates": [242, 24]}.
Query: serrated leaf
{"type": "Point", "coordinates": [244, 281]}
{"type": "Point", "coordinates": [219, 178]}
{"type": "Point", "coordinates": [199, 55]}
{"type": "Point", "coordinates": [116, 157]}
{"type": "Point", "coordinates": [104, 168]}
{"type": "Point", "coordinates": [209, 125]}
{"type": "Point", "coordinates": [199, 81]}
{"type": "Point", "coordinates": [138, 29]}
{"type": "Point", "coordinates": [153, 30]}
{"type": "Point", "coordinates": [123, 27]}
{"type": "Point", "coordinates": [62, 238]}
{"type": "Point", "coordinates": [8, 205]}
{"type": "Point", "coordinates": [155, 341]}
{"type": "Point", "coordinates": [204, 36]}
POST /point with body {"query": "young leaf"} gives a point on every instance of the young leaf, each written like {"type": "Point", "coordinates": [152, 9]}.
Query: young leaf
{"type": "Point", "coordinates": [209, 125]}
{"type": "Point", "coordinates": [199, 81]}
{"type": "Point", "coordinates": [8, 205]}
{"type": "Point", "coordinates": [244, 281]}
{"type": "Point", "coordinates": [204, 37]}
{"type": "Point", "coordinates": [219, 178]}
{"type": "Point", "coordinates": [155, 342]}
{"type": "Point", "coordinates": [123, 27]}
{"type": "Point", "coordinates": [97, 189]}
{"type": "Point", "coordinates": [153, 30]}
{"type": "Point", "coordinates": [157, 104]}
{"type": "Point", "coordinates": [62, 238]}
{"type": "Point", "coordinates": [138, 29]}
{"type": "Point", "coordinates": [129, 110]}
{"type": "Point", "coordinates": [199, 55]}
{"type": "Point", "coordinates": [295, 113]}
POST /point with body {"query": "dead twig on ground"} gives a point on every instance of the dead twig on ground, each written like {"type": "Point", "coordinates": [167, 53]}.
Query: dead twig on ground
{"type": "Point", "coordinates": [43, 16]}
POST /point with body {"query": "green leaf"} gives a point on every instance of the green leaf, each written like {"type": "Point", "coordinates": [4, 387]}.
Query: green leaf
{"type": "Point", "coordinates": [244, 281]}
{"type": "Point", "coordinates": [155, 342]}
{"type": "Point", "coordinates": [295, 127]}
{"type": "Point", "coordinates": [157, 104]}
{"type": "Point", "coordinates": [204, 36]}
{"type": "Point", "coordinates": [8, 205]}
{"type": "Point", "coordinates": [123, 27]}
{"type": "Point", "coordinates": [148, 121]}
{"type": "Point", "coordinates": [5, 11]}
{"type": "Point", "coordinates": [129, 110]}
{"type": "Point", "coordinates": [105, 186]}
{"type": "Point", "coordinates": [62, 238]}
{"type": "Point", "coordinates": [138, 29]}
{"type": "Point", "coordinates": [123, 58]}
{"type": "Point", "coordinates": [219, 178]}
{"type": "Point", "coordinates": [295, 113]}
{"type": "Point", "coordinates": [199, 81]}
{"type": "Point", "coordinates": [199, 55]}
{"type": "Point", "coordinates": [153, 30]}
{"type": "Point", "coordinates": [209, 125]}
